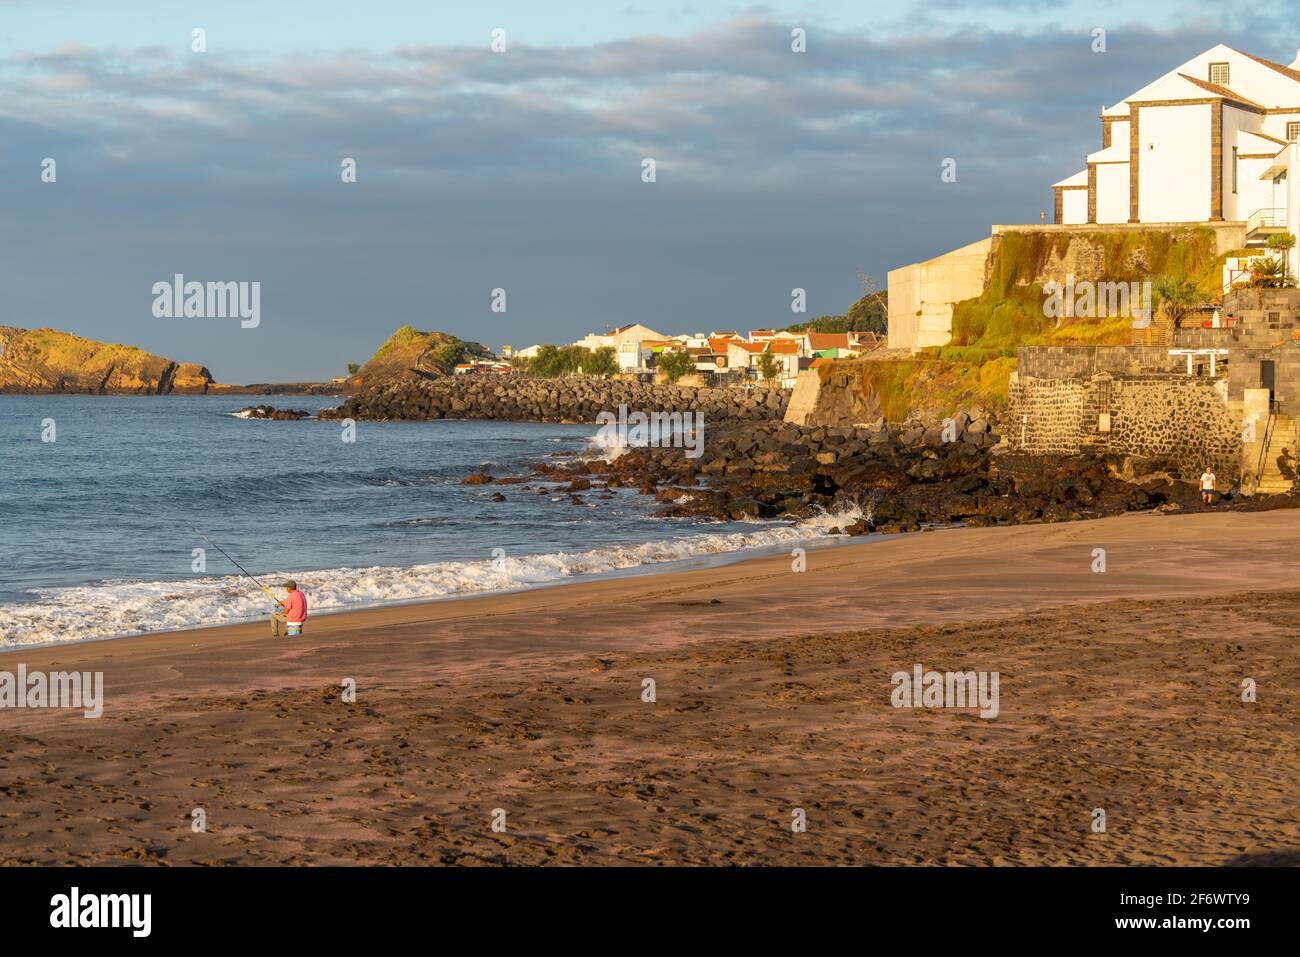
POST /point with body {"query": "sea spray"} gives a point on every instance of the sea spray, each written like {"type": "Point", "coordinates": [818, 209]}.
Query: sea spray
{"type": "Point", "coordinates": [122, 608]}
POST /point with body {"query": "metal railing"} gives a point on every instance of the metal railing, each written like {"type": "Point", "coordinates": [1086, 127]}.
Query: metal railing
{"type": "Point", "coordinates": [1270, 217]}
{"type": "Point", "coordinates": [1269, 429]}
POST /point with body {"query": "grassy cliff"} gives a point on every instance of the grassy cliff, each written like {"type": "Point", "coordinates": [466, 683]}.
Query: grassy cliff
{"type": "Point", "coordinates": [46, 360]}
{"type": "Point", "coordinates": [974, 369]}
{"type": "Point", "coordinates": [410, 353]}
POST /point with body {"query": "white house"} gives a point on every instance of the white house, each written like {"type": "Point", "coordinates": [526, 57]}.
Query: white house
{"type": "Point", "coordinates": [633, 332]}
{"type": "Point", "coordinates": [1200, 144]}
{"type": "Point", "coordinates": [1211, 142]}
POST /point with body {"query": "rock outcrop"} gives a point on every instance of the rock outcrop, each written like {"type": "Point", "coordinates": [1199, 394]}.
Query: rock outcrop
{"type": "Point", "coordinates": [575, 399]}
{"type": "Point", "coordinates": [890, 479]}
{"type": "Point", "coordinates": [271, 412]}
{"type": "Point", "coordinates": [409, 354]}
{"type": "Point", "coordinates": [48, 361]}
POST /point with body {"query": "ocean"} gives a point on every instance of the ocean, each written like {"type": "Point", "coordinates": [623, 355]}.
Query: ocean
{"type": "Point", "coordinates": [96, 535]}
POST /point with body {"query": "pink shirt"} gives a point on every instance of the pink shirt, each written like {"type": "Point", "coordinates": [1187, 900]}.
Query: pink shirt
{"type": "Point", "coordinates": [295, 606]}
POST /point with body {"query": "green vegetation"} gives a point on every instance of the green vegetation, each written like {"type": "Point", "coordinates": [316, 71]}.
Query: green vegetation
{"type": "Point", "coordinates": [1175, 297]}
{"type": "Point", "coordinates": [553, 362]}
{"type": "Point", "coordinates": [975, 367]}
{"type": "Point", "coordinates": [868, 314]}
{"type": "Point", "coordinates": [410, 352]}
{"type": "Point", "coordinates": [1281, 242]}
{"type": "Point", "coordinates": [1268, 273]}
{"type": "Point", "coordinates": [1010, 313]}
{"type": "Point", "coordinates": [50, 360]}
{"type": "Point", "coordinates": [450, 353]}
{"type": "Point", "coordinates": [769, 367]}
{"type": "Point", "coordinates": [353, 368]}
{"type": "Point", "coordinates": [674, 363]}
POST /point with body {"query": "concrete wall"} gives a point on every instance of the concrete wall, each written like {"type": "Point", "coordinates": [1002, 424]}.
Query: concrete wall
{"type": "Point", "coordinates": [804, 397]}
{"type": "Point", "coordinates": [921, 296]}
{"type": "Point", "coordinates": [1186, 421]}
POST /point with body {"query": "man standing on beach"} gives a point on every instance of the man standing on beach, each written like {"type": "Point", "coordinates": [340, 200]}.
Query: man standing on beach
{"type": "Point", "coordinates": [293, 612]}
{"type": "Point", "coordinates": [1207, 486]}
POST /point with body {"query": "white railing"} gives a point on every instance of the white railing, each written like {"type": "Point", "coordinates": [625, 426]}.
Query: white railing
{"type": "Point", "coordinates": [1268, 217]}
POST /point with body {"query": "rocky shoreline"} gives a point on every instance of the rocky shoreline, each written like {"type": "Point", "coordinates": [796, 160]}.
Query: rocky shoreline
{"type": "Point", "coordinates": [883, 478]}
{"type": "Point", "coordinates": [576, 399]}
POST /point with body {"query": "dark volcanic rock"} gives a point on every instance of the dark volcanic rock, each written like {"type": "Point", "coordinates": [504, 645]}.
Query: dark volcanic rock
{"type": "Point", "coordinates": [271, 412]}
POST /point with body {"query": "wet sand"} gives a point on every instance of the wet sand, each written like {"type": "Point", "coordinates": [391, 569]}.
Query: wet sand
{"type": "Point", "coordinates": [1119, 691]}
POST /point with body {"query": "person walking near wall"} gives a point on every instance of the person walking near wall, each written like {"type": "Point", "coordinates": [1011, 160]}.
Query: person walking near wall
{"type": "Point", "coordinates": [1207, 486]}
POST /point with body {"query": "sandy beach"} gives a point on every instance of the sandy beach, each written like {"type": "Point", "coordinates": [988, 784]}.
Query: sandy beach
{"type": "Point", "coordinates": [1120, 690]}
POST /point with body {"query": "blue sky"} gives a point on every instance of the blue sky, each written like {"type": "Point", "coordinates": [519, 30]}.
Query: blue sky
{"type": "Point", "coordinates": [522, 170]}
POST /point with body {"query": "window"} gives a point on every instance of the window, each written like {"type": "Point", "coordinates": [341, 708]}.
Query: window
{"type": "Point", "coordinates": [1275, 320]}
{"type": "Point", "coordinates": [1293, 132]}
{"type": "Point", "coordinates": [1219, 73]}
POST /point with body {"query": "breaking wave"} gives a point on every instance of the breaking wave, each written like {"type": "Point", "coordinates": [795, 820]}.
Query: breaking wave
{"type": "Point", "coordinates": [120, 608]}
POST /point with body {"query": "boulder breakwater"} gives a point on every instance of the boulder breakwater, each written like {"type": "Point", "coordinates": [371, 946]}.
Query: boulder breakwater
{"type": "Point", "coordinates": [575, 399]}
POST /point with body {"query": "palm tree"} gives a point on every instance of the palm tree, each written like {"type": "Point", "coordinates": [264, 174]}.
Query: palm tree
{"type": "Point", "coordinates": [1175, 297]}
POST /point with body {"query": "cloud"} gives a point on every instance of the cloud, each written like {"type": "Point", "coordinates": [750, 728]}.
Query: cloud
{"type": "Point", "coordinates": [522, 170]}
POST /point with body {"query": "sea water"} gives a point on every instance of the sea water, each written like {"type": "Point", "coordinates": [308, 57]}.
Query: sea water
{"type": "Point", "coordinates": [98, 496]}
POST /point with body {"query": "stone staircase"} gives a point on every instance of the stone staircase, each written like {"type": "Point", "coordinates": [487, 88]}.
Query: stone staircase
{"type": "Point", "coordinates": [1155, 334]}
{"type": "Point", "coordinates": [1271, 480]}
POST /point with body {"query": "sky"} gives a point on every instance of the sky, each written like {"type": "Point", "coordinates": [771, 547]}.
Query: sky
{"type": "Point", "coordinates": [523, 170]}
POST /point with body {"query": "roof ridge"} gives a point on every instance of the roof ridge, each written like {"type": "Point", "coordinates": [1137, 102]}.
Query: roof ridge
{"type": "Point", "coordinates": [1284, 70]}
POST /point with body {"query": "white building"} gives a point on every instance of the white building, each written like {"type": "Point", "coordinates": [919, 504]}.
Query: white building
{"type": "Point", "coordinates": [614, 338]}
{"type": "Point", "coordinates": [1207, 142]}
{"type": "Point", "coordinates": [1211, 142]}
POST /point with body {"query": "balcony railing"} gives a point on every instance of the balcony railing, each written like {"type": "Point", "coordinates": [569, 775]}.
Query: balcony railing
{"type": "Point", "coordinates": [1267, 218]}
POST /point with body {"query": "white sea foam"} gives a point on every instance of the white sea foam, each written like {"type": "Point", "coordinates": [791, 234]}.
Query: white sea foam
{"type": "Point", "coordinates": [112, 609]}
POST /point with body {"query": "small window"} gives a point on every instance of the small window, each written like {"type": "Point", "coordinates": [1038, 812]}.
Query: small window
{"type": "Point", "coordinates": [1219, 73]}
{"type": "Point", "coordinates": [1293, 132]}
{"type": "Point", "coordinates": [1275, 320]}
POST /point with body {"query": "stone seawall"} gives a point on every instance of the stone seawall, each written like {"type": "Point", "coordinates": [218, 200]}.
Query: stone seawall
{"type": "Point", "coordinates": [1184, 422]}
{"type": "Point", "coordinates": [1077, 362]}
{"type": "Point", "coordinates": [575, 399]}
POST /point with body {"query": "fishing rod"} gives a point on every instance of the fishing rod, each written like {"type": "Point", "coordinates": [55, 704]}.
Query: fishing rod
{"type": "Point", "coordinates": [237, 565]}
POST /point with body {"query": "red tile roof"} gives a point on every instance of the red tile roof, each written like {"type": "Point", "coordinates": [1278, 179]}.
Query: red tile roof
{"type": "Point", "coordinates": [828, 340]}
{"type": "Point", "coordinates": [1222, 91]}
{"type": "Point", "coordinates": [784, 346]}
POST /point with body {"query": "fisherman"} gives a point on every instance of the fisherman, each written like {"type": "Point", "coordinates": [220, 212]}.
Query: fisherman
{"type": "Point", "coordinates": [292, 614]}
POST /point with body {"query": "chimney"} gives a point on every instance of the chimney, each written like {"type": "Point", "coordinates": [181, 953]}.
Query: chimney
{"type": "Point", "coordinates": [1295, 64]}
